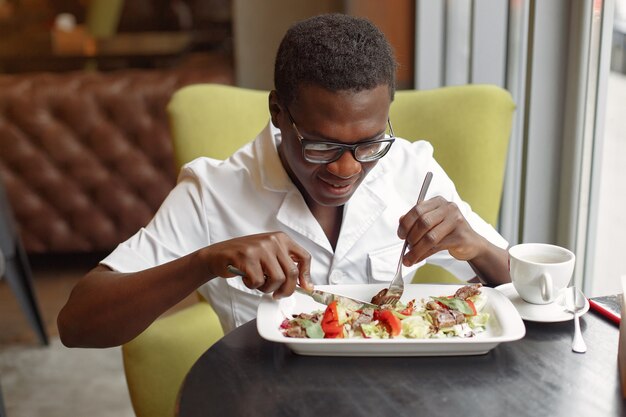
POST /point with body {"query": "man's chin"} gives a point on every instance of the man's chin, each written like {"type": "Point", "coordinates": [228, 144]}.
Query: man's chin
{"type": "Point", "coordinates": [333, 201]}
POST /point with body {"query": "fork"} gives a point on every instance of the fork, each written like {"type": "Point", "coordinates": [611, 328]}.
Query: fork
{"type": "Point", "coordinates": [396, 288]}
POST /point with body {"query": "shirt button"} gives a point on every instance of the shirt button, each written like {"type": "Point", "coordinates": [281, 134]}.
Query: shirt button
{"type": "Point", "coordinates": [335, 277]}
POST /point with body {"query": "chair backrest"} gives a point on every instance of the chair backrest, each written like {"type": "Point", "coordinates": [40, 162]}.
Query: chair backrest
{"type": "Point", "coordinates": [469, 128]}
{"type": "Point", "coordinates": [215, 120]}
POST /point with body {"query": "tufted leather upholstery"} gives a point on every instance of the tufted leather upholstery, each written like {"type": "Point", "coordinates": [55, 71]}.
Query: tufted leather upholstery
{"type": "Point", "coordinates": [86, 157]}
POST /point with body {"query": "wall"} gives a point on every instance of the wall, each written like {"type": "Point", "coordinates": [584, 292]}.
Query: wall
{"type": "Point", "coordinates": [259, 25]}
{"type": "Point", "coordinates": [396, 18]}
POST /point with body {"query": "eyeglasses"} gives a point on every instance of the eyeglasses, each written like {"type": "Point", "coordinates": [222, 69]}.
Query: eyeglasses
{"type": "Point", "coordinates": [322, 152]}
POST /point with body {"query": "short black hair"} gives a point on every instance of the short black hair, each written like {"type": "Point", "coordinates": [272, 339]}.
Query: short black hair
{"type": "Point", "coordinates": [336, 52]}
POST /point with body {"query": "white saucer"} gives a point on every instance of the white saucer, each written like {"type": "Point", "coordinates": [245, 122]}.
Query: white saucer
{"type": "Point", "coordinates": [547, 313]}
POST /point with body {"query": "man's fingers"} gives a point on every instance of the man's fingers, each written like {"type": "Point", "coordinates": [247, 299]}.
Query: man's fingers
{"type": "Point", "coordinates": [304, 271]}
{"type": "Point", "coordinates": [272, 262]}
{"type": "Point", "coordinates": [410, 219]}
{"type": "Point", "coordinates": [298, 266]}
{"type": "Point", "coordinates": [288, 285]}
{"type": "Point", "coordinates": [254, 276]}
{"type": "Point", "coordinates": [433, 241]}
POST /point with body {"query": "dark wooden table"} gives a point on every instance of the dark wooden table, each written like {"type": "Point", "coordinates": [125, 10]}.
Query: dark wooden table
{"type": "Point", "coordinates": [539, 375]}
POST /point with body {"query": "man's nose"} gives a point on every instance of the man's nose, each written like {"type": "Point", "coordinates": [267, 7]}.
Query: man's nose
{"type": "Point", "coordinates": [345, 167]}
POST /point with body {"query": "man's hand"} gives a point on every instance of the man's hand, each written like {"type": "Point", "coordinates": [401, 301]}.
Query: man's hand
{"type": "Point", "coordinates": [435, 225]}
{"type": "Point", "coordinates": [271, 262]}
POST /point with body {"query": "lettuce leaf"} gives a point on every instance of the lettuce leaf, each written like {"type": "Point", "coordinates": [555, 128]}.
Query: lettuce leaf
{"type": "Point", "coordinates": [455, 304]}
{"type": "Point", "coordinates": [313, 330]}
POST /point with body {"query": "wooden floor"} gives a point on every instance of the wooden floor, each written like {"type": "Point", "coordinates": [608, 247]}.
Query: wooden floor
{"type": "Point", "coordinates": [53, 278]}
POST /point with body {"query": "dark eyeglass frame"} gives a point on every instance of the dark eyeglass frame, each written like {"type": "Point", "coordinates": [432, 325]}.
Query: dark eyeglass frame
{"type": "Point", "coordinates": [342, 146]}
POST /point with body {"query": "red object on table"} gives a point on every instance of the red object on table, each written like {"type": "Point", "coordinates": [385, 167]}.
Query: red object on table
{"type": "Point", "coordinates": [605, 309]}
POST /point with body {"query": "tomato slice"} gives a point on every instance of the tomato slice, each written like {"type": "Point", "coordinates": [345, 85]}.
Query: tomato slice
{"type": "Point", "coordinates": [330, 322]}
{"type": "Point", "coordinates": [409, 308]}
{"type": "Point", "coordinates": [471, 305]}
{"type": "Point", "coordinates": [392, 324]}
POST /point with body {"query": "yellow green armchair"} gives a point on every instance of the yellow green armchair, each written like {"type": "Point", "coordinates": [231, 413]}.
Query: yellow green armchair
{"type": "Point", "coordinates": [156, 361]}
{"type": "Point", "coordinates": [469, 127]}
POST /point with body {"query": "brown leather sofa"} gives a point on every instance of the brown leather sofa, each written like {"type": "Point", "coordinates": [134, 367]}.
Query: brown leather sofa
{"type": "Point", "coordinates": [85, 157]}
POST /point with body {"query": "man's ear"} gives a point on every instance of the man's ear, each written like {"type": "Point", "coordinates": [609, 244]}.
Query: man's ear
{"type": "Point", "coordinates": [275, 108]}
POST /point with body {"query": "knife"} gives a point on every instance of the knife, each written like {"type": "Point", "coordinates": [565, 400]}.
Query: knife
{"type": "Point", "coordinates": [322, 297]}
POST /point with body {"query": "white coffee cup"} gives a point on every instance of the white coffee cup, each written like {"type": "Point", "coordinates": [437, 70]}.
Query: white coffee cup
{"type": "Point", "coordinates": [539, 270]}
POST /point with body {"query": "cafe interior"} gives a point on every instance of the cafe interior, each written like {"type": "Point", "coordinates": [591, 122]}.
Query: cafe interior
{"type": "Point", "coordinates": [103, 101]}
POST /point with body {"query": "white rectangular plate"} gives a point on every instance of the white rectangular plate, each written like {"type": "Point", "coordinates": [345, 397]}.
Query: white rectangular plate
{"type": "Point", "coordinates": [505, 325]}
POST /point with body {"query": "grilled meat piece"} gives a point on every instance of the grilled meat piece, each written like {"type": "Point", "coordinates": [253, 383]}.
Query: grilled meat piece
{"type": "Point", "coordinates": [458, 316]}
{"type": "Point", "coordinates": [295, 331]}
{"type": "Point", "coordinates": [433, 305]}
{"type": "Point", "coordinates": [442, 318]}
{"type": "Point", "coordinates": [467, 291]}
{"type": "Point", "coordinates": [306, 316]}
{"type": "Point", "coordinates": [381, 298]}
{"type": "Point", "coordinates": [446, 318]}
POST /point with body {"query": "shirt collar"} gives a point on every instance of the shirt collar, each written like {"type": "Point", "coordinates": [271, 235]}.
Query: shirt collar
{"type": "Point", "coordinates": [271, 171]}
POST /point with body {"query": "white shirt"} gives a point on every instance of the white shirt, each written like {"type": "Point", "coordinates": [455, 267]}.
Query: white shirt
{"type": "Point", "coordinates": [251, 193]}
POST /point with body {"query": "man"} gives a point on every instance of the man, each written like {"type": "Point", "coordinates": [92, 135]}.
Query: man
{"type": "Point", "coordinates": [325, 194]}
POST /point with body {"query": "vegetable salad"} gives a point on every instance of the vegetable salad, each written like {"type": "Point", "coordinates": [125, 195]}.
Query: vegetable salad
{"type": "Point", "coordinates": [458, 315]}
